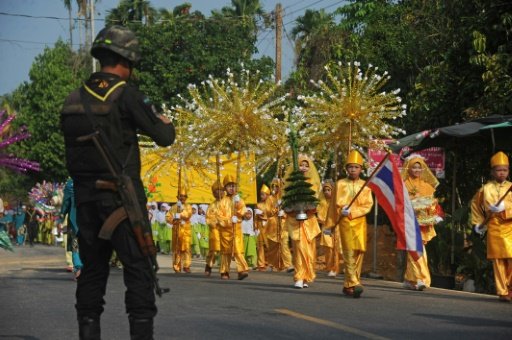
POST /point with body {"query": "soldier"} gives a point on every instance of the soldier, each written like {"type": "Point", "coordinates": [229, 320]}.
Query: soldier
{"type": "Point", "coordinates": [106, 103]}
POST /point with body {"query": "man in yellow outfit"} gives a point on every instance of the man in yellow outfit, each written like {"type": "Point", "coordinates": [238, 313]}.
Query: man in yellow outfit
{"type": "Point", "coordinates": [213, 222]}
{"type": "Point", "coordinates": [231, 210]}
{"type": "Point", "coordinates": [487, 213]}
{"type": "Point", "coordinates": [352, 225]}
{"type": "Point", "coordinates": [304, 229]}
{"type": "Point", "coordinates": [286, 256]}
{"type": "Point", "coordinates": [181, 233]}
{"type": "Point", "coordinates": [265, 221]}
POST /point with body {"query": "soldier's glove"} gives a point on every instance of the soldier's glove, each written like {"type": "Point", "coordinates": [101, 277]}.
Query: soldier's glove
{"type": "Point", "coordinates": [497, 208]}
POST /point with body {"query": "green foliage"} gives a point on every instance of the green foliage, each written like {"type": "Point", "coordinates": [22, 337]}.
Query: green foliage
{"type": "Point", "coordinates": [53, 75]}
{"type": "Point", "coordinates": [298, 195]}
{"type": "Point", "coordinates": [189, 49]}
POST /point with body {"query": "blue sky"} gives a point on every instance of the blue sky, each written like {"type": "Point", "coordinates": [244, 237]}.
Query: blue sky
{"type": "Point", "coordinates": [23, 38]}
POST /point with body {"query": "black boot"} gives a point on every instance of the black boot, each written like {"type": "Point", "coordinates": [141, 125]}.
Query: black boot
{"type": "Point", "coordinates": [141, 329]}
{"type": "Point", "coordinates": [89, 328]}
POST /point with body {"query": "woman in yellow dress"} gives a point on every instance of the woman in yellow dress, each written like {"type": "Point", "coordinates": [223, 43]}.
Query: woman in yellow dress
{"type": "Point", "coordinates": [304, 232]}
{"type": "Point", "coordinates": [421, 185]}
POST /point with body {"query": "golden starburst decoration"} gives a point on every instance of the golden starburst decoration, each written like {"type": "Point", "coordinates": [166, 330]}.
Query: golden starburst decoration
{"type": "Point", "coordinates": [350, 107]}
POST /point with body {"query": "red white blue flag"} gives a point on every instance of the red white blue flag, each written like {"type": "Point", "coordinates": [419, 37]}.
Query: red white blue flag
{"type": "Point", "coordinates": [393, 197]}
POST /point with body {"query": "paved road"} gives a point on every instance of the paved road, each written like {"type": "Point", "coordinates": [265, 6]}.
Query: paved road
{"type": "Point", "coordinates": [37, 297]}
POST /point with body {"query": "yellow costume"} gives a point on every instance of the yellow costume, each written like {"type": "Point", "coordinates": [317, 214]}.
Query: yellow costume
{"type": "Point", "coordinates": [421, 191]}
{"type": "Point", "coordinates": [330, 237]}
{"type": "Point", "coordinates": [352, 227]}
{"type": "Point", "coordinates": [499, 226]}
{"type": "Point", "coordinates": [212, 220]}
{"type": "Point", "coordinates": [231, 237]}
{"type": "Point", "coordinates": [261, 223]}
{"type": "Point", "coordinates": [279, 245]}
{"type": "Point", "coordinates": [181, 237]}
{"type": "Point", "coordinates": [303, 233]}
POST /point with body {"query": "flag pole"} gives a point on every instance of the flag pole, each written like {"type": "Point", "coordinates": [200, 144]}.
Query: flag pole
{"type": "Point", "coordinates": [365, 184]}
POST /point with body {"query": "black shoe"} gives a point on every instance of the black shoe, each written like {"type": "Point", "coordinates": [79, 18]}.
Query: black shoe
{"type": "Point", "coordinates": [141, 329]}
{"type": "Point", "coordinates": [89, 328]}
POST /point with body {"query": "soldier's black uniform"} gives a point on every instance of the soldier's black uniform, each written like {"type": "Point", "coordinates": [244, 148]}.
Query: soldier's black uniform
{"type": "Point", "coordinates": [122, 111]}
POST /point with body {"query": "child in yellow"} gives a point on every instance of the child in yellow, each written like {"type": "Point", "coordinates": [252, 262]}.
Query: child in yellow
{"type": "Point", "coordinates": [486, 213]}
{"type": "Point", "coordinates": [330, 237]}
{"type": "Point", "coordinates": [182, 233]}
{"type": "Point", "coordinates": [421, 185]}
{"type": "Point", "coordinates": [265, 221]}
{"type": "Point", "coordinates": [352, 225]}
{"type": "Point", "coordinates": [286, 255]}
{"type": "Point", "coordinates": [304, 232]}
{"type": "Point", "coordinates": [213, 222]}
{"type": "Point", "coordinates": [230, 213]}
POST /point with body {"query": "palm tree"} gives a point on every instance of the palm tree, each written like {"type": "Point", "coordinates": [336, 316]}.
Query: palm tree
{"type": "Point", "coordinates": [132, 11]}
{"type": "Point", "coordinates": [67, 4]}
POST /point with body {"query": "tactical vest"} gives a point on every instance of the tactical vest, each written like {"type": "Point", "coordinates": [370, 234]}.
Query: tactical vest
{"type": "Point", "coordinates": [82, 158]}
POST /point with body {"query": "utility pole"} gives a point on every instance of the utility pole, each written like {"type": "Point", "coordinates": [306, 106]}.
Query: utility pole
{"type": "Point", "coordinates": [92, 35]}
{"type": "Point", "coordinates": [279, 34]}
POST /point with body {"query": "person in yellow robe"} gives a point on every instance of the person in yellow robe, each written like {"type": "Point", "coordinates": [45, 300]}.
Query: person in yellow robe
{"type": "Point", "coordinates": [265, 211]}
{"type": "Point", "coordinates": [230, 213]}
{"type": "Point", "coordinates": [213, 222]}
{"type": "Point", "coordinates": [179, 216]}
{"type": "Point", "coordinates": [285, 254]}
{"type": "Point", "coordinates": [496, 218]}
{"type": "Point", "coordinates": [421, 185]}
{"type": "Point", "coordinates": [304, 232]}
{"type": "Point", "coordinates": [352, 225]}
{"type": "Point", "coordinates": [330, 237]}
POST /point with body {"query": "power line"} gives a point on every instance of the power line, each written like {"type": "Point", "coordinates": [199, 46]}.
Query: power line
{"type": "Point", "coordinates": [305, 7]}
{"type": "Point", "coordinates": [323, 8]}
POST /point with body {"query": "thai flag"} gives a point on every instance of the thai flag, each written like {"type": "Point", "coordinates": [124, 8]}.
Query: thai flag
{"type": "Point", "coordinates": [393, 197]}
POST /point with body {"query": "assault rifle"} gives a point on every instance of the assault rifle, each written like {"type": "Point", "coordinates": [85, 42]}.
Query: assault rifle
{"type": "Point", "coordinates": [130, 209]}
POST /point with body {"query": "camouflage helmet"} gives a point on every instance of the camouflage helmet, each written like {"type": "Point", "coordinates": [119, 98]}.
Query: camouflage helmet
{"type": "Point", "coordinates": [119, 40]}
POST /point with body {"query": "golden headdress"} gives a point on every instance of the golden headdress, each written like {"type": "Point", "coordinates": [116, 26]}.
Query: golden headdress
{"type": "Point", "coordinates": [426, 174]}
{"type": "Point", "coordinates": [182, 192]}
{"type": "Point", "coordinates": [499, 158]}
{"type": "Point", "coordinates": [328, 183]}
{"type": "Point", "coordinates": [217, 186]}
{"type": "Point", "coordinates": [354, 157]}
{"type": "Point", "coordinates": [265, 189]}
{"type": "Point", "coordinates": [228, 179]}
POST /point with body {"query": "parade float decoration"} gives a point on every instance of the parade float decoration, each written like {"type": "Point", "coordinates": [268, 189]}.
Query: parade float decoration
{"type": "Point", "coordinates": [9, 136]}
{"type": "Point", "coordinates": [349, 109]}
{"type": "Point", "coordinates": [46, 197]}
{"type": "Point", "coordinates": [240, 116]}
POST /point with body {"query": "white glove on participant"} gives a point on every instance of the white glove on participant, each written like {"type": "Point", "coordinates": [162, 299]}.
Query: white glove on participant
{"type": "Point", "coordinates": [177, 216]}
{"type": "Point", "coordinates": [345, 211]}
{"type": "Point", "coordinates": [497, 208]}
{"type": "Point", "coordinates": [179, 204]}
{"type": "Point", "coordinates": [439, 219]}
{"type": "Point", "coordinates": [258, 212]}
{"type": "Point", "coordinates": [234, 219]}
{"type": "Point", "coordinates": [236, 198]}
{"type": "Point", "coordinates": [479, 229]}
{"type": "Point", "coordinates": [280, 213]}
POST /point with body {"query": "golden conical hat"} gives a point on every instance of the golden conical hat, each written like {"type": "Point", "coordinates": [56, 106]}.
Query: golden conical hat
{"type": "Point", "coordinates": [354, 157]}
{"type": "Point", "coordinates": [228, 179]}
{"type": "Point", "coordinates": [182, 192]}
{"type": "Point", "coordinates": [265, 189]}
{"type": "Point", "coordinates": [499, 158]}
{"type": "Point", "coordinates": [217, 186]}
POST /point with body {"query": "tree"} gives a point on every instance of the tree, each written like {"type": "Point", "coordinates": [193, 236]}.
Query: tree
{"type": "Point", "coordinates": [53, 75]}
{"type": "Point", "coordinates": [130, 11]}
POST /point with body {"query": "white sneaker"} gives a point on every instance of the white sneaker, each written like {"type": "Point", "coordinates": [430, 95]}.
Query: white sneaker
{"type": "Point", "coordinates": [332, 273]}
{"type": "Point", "coordinates": [407, 285]}
{"type": "Point", "coordinates": [305, 285]}
{"type": "Point", "coordinates": [299, 284]}
{"type": "Point", "coordinates": [420, 285]}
